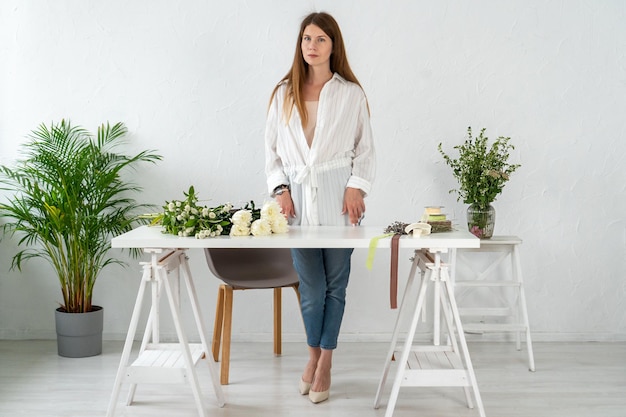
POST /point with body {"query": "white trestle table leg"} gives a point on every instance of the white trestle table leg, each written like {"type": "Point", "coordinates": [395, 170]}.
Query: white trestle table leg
{"type": "Point", "coordinates": [396, 329]}
{"type": "Point", "coordinates": [157, 273]}
{"type": "Point", "coordinates": [456, 370]}
{"type": "Point", "coordinates": [128, 344]}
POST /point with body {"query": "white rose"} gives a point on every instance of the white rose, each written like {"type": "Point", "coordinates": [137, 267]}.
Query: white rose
{"type": "Point", "coordinates": [239, 230]}
{"type": "Point", "coordinates": [271, 211]}
{"type": "Point", "coordinates": [242, 218]}
{"type": "Point", "coordinates": [261, 227]}
{"type": "Point", "coordinates": [280, 225]}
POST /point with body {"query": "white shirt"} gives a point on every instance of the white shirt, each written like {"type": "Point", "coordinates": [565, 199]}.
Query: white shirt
{"type": "Point", "coordinates": [341, 154]}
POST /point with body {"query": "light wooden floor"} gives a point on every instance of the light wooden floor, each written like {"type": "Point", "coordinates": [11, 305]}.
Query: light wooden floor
{"type": "Point", "coordinates": [572, 379]}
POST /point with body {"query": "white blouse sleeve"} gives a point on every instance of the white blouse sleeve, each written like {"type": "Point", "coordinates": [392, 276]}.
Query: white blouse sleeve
{"type": "Point", "coordinates": [274, 171]}
{"type": "Point", "coordinates": [364, 161]}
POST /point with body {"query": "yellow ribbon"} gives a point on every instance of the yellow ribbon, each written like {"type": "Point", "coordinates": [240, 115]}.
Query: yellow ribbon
{"type": "Point", "coordinates": [369, 263]}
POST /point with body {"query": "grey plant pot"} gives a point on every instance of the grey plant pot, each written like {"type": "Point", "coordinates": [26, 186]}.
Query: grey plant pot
{"type": "Point", "coordinates": [79, 335]}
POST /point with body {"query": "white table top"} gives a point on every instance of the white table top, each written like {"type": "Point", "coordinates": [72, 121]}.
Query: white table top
{"type": "Point", "coordinates": [297, 237]}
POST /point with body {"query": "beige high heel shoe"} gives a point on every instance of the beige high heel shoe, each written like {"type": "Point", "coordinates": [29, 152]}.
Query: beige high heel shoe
{"type": "Point", "coordinates": [318, 397]}
{"type": "Point", "coordinates": [304, 387]}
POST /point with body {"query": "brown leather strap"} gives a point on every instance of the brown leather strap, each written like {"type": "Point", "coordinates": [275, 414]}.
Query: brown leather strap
{"type": "Point", "coordinates": [393, 278]}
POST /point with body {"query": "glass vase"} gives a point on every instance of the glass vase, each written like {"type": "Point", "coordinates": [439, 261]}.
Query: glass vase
{"type": "Point", "coordinates": [481, 220]}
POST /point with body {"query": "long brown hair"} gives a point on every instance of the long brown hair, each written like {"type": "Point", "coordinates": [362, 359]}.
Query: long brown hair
{"type": "Point", "coordinates": [296, 76]}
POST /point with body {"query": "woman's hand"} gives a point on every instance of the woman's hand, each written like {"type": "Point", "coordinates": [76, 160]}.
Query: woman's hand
{"type": "Point", "coordinates": [286, 204]}
{"type": "Point", "coordinates": [354, 205]}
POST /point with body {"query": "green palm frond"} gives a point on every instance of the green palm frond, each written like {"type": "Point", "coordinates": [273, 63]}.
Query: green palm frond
{"type": "Point", "coordinates": [69, 198]}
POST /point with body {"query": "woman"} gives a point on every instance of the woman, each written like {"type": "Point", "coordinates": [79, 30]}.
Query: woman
{"type": "Point", "coordinates": [319, 167]}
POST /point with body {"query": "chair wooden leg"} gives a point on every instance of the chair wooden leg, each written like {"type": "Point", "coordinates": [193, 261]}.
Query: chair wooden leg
{"type": "Point", "coordinates": [228, 322]}
{"type": "Point", "coordinates": [219, 321]}
{"type": "Point", "coordinates": [278, 304]}
{"type": "Point", "coordinates": [278, 327]}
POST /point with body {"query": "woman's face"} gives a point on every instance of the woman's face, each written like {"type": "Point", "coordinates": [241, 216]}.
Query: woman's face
{"type": "Point", "coordinates": [316, 46]}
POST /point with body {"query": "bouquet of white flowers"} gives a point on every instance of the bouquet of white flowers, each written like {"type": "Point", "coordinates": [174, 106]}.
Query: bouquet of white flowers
{"type": "Point", "coordinates": [266, 221]}
{"type": "Point", "coordinates": [187, 218]}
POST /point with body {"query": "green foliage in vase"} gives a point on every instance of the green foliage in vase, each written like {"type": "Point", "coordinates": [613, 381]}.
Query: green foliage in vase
{"type": "Point", "coordinates": [481, 170]}
{"type": "Point", "coordinates": [67, 200]}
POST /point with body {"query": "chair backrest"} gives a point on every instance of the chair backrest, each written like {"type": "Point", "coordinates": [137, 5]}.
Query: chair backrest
{"type": "Point", "coordinates": [252, 267]}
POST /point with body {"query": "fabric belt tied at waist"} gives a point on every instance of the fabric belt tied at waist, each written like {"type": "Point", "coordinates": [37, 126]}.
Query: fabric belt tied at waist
{"type": "Point", "coordinates": [308, 173]}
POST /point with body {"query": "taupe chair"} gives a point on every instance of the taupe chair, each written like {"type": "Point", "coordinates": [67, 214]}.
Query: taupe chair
{"type": "Point", "coordinates": [246, 269]}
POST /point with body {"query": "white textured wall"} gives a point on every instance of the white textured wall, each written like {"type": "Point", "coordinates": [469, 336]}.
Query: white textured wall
{"type": "Point", "coordinates": [191, 79]}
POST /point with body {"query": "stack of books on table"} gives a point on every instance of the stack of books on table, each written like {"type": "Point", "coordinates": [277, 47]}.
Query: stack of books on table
{"type": "Point", "coordinates": [436, 219]}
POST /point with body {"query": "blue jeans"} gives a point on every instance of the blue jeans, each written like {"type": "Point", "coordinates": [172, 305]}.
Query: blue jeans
{"type": "Point", "coordinates": [323, 277]}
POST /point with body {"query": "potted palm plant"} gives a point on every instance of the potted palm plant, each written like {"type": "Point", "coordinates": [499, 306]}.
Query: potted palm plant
{"type": "Point", "coordinates": [482, 170]}
{"type": "Point", "coordinates": [67, 198]}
